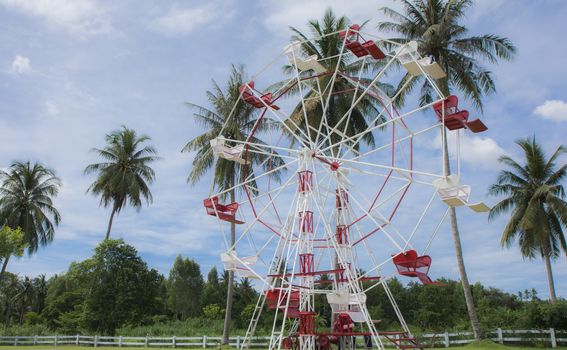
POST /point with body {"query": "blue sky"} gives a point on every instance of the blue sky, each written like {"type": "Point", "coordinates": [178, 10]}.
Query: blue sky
{"type": "Point", "coordinates": [73, 70]}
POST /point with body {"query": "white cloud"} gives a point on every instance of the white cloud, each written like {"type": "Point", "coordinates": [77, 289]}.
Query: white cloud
{"type": "Point", "coordinates": [179, 21]}
{"type": "Point", "coordinates": [20, 65]}
{"type": "Point", "coordinates": [475, 150]}
{"type": "Point", "coordinates": [555, 110]}
{"type": "Point", "coordinates": [51, 108]}
{"type": "Point", "coordinates": [79, 17]}
{"type": "Point", "coordinates": [296, 13]}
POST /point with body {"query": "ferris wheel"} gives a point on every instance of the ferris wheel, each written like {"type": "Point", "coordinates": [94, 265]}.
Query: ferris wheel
{"type": "Point", "coordinates": [333, 206]}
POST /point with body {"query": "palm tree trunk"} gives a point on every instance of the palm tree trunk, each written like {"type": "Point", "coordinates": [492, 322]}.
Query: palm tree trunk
{"type": "Point", "coordinates": [552, 296]}
{"type": "Point", "coordinates": [110, 224]}
{"type": "Point", "coordinates": [459, 253]}
{"type": "Point", "coordinates": [4, 265]}
{"type": "Point", "coordinates": [230, 285]}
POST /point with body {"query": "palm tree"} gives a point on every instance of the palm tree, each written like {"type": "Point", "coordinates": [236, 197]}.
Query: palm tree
{"type": "Point", "coordinates": [26, 201]}
{"type": "Point", "coordinates": [327, 48]}
{"type": "Point", "coordinates": [536, 198]}
{"type": "Point", "coordinates": [237, 126]}
{"type": "Point", "coordinates": [435, 25]}
{"type": "Point", "coordinates": [125, 174]}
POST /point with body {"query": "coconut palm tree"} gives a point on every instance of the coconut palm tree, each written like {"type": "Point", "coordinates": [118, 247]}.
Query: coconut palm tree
{"type": "Point", "coordinates": [536, 198]}
{"type": "Point", "coordinates": [437, 27]}
{"type": "Point", "coordinates": [235, 126]}
{"type": "Point", "coordinates": [125, 174]}
{"type": "Point", "coordinates": [327, 48]}
{"type": "Point", "coordinates": [26, 201]}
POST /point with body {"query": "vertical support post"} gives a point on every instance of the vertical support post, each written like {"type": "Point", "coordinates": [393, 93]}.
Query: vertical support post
{"type": "Point", "coordinates": [447, 342]}
{"type": "Point", "coordinates": [552, 338]}
{"type": "Point", "coordinates": [500, 336]}
{"type": "Point", "coordinates": [35, 340]}
{"type": "Point", "coordinates": [238, 342]}
{"type": "Point", "coordinates": [146, 342]}
{"type": "Point", "coordinates": [16, 339]}
{"type": "Point", "coordinates": [55, 340]}
{"type": "Point", "coordinates": [174, 342]}
{"type": "Point", "coordinates": [76, 340]}
{"type": "Point", "coordinates": [204, 341]}
{"type": "Point", "coordinates": [95, 341]}
{"type": "Point", "coordinates": [120, 340]}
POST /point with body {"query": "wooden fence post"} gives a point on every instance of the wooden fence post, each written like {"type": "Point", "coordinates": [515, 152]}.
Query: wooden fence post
{"type": "Point", "coordinates": [500, 336]}
{"type": "Point", "coordinates": [76, 340]}
{"type": "Point", "coordinates": [95, 341]}
{"type": "Point", "coordinates": [204, 341]}
{"type": "Point", "coordinates": [147, 342]}
{"type": "Point", "coordinates": [174, 341]}
{"type": "Point", "coordinates": [55, 340]}
{"type": "Point", "coordinates": [238, 342]}
{"type": "Point", "coordinates": [35, 340]}
{"type": "Point", "coordinates": [447, 342]}
{"type": "Point", "coordinates": [552, 336]}
{"type": "Point", "coordinates": [120, 341]}
{"type": "Point", "coordinates": [16, 338]}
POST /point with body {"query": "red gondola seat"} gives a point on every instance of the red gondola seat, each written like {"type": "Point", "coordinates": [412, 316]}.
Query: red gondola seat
{"type": "Point", "coordinates": [247, 93]}
{"type": "Point", "coordinates": [225, 212]}
{"type": "Point", "coordinates": [411, 265]}
{"type": "Point", "coordinates": [277, 299]}
{"type": "Point", "coordinates": [455, 118]}
{"type": "Point", "coordinates": [358, 48]}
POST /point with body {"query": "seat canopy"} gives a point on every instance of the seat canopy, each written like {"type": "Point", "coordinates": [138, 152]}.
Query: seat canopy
{"type": "Point", "coordinates": [303, 64]}
{"type": "Point", "coordinates": [348, 303]}
{"type": "Point", "coordinates": [242, 266]}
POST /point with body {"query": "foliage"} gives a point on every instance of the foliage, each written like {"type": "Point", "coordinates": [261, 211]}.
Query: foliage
{"type": "Point", "coordinates": [125, 174]}
{"type": "Point", "coordinates": [26, 201]}
{"type": "Point", "coordinates": [213, 312]}
{"type": "Point", "coordinates": [185, 288]}
{"type": "Point", "coordinates": [12, 242]}
{"type": "Point", "coordinates": [437, 27]}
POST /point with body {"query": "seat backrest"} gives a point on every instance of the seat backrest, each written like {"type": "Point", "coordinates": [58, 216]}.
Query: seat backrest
{"type": "Point", "coordinates": [406, 259]}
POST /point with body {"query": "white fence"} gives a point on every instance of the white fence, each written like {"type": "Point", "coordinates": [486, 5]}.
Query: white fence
{"type": "Point", "coordinates": [549, 338]}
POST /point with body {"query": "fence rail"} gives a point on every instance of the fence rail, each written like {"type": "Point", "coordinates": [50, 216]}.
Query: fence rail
{"type": "Point", "coordinates": [548, 337]}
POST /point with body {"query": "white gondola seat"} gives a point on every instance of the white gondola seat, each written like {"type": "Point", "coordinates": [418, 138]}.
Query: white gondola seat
{"type": "Point", "coordinates": [220, 149]}
{"type": "Point", "coordinates": [410, 59]}
{"type": "Point", "coordinates": [309, 63]}
{"type": "Point", "coordinates": [456, 195]}
{"type": "Point", "coordinates": [347, 303]}
{"type": "Point", "coordinates": [230, 262]}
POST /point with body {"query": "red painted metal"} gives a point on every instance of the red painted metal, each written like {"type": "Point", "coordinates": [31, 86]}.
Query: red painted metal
{"type": "Point", "coordinates": [305, 221]}
{"type": "Point", "coordinates": [307, 322]}
{"type": "Point", "coordinates": [246, 91]}
{"type": "Point", "coordinates": [341, 198]}
{"type": "Point", "coordinates": [454, 118]}
{"type": "Point", "coordinates": [411, 265]}
{"type": "Point", "coordinates": [225, 212]}
{"type": "Point", "coordinates": [353, 42]}
{"type": "Point", "coordinates": [306, 263]}
{"type": "Point", "coordinates": [341, 234]}
{"type": "Point", "coordinates": [305, 181]}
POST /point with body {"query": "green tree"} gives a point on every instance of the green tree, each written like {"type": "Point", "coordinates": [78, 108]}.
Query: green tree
{"type": "Point", "coordinates": [308, 115]}
{"type": "Point", "coordinates": [123, 290]}
{"type": "Point", "coordinates": [437, 27]}
{"type": "Point", "coordinates": [185, 288]}
{"type": "Point", "coordinates": [536, 198]}
{"type": "Point", "coordinates": [211, 292]}
{"type": "Point", "coordinates": [12, 243]}
{"type": "Point", "coordinates": [235, 126]}
{"type": "Point", "coordinates": [125, 174]}
{"type": "Point", "coordinates": [26, 201]}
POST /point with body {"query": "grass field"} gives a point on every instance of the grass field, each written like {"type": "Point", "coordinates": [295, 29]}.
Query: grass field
{"type": "Point", "coordinates": [484, 345]}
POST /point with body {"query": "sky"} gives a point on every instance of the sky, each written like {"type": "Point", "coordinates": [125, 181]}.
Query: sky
{"type": "Point", "coordinates": [73, 70]}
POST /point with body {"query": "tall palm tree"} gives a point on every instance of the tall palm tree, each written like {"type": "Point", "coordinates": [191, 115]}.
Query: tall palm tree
{"type": "Point", "coordinates": [26, 201]}
{"type": "Point", "coordinates": [437, 27]}
{"type": "Point", "coordinates": [327, 48]}
{"type": "Point", "coordinates": [535, 196]}
{"type": "Point", "coordinates": [125, 174]}
{"type": "Point", "coordinates": [237, 126]}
